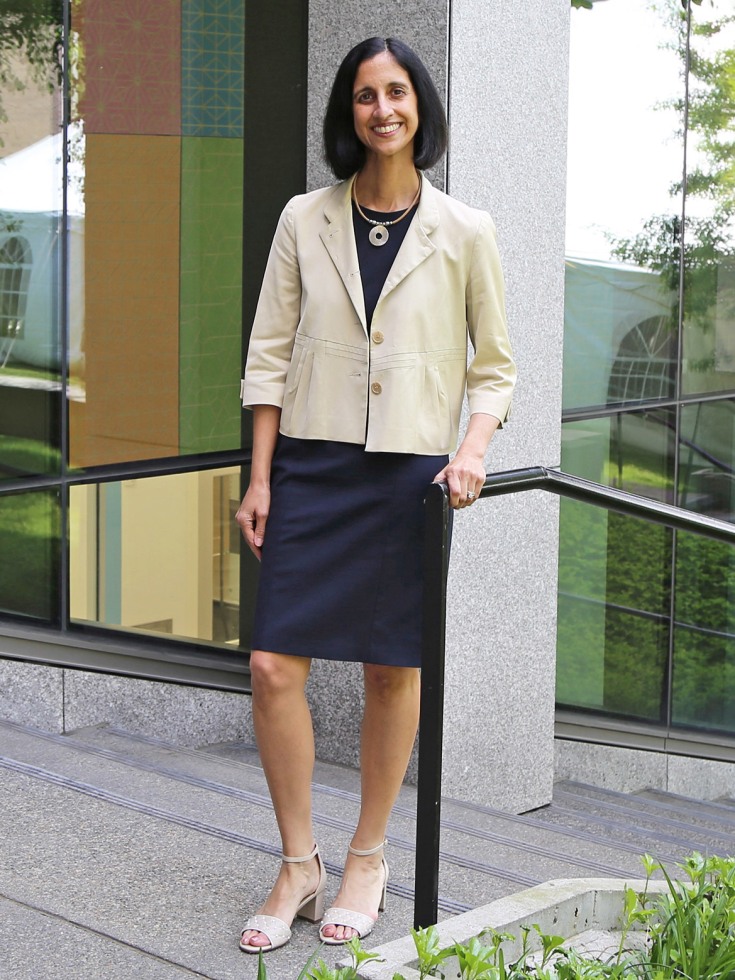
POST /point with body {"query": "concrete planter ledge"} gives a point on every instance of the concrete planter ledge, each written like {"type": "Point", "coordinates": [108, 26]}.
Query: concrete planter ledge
{"type": "Point", "coordinates": [568, 907]}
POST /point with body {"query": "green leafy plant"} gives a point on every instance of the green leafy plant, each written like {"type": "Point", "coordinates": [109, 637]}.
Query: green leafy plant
{"type": "Point", "coordinates": [321, 970]}
{"type": "Point", "coordinates": [689, 930]}
{"type": "Point", "coordinates": [430, 955]}
{"type": "Point", "coordinates": [693, 930]}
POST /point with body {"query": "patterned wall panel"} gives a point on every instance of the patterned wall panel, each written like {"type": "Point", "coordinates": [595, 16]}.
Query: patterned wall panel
{"type": "Point", "coordinates": [131, 66]}
{"type": "Point", "coordinates": [211, 293]}
{"type": "Point", "coordinates": [131, 301]}
{"type": "Point", "coordinates": [212, 66]}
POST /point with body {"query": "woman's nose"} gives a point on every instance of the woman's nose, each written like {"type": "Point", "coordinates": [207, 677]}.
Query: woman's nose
{"type": "Point", "coordinates": [382, 106]}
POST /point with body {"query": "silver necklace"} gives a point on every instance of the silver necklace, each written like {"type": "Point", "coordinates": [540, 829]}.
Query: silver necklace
{"type": "Point", "coordinates": [379, 232]}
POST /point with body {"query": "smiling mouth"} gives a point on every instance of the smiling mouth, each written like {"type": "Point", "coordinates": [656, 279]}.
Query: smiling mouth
{"type": "Point", "coordinates": [386, 130]}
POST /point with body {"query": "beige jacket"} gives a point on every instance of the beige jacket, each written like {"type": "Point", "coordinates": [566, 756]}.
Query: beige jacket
{"type": "Point", "coordinates": [398, 388]}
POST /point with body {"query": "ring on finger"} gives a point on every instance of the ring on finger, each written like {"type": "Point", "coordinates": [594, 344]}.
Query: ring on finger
{"type": "Point", "coordinates": [471, 495]}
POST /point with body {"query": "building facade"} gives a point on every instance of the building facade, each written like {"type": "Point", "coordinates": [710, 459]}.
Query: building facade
{"type": "Point", "coordinates": [147, 152]}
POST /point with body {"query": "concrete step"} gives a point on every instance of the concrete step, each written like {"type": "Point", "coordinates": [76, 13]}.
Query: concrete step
{"type": "Point", "coordinates": [230, 811]}
{"type": "Point", "coordinates": [688, 824]}
{"type": "Point", "coordinates": [131, 851]}
{"type": "Point", "coordinates": [514, 854]}
{"type": "Point", "coordinates": [672, 809]}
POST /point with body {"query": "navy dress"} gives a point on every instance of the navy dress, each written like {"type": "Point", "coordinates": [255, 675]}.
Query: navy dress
{"type": "Point", "coordinates": [341, 572]}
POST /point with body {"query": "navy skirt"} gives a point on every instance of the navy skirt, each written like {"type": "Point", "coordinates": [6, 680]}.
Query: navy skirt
{"type": "Point", "coordinates": [341, 572]}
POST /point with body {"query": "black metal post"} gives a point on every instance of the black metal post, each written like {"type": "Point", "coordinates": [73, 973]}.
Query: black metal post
{"type": "Point", "coordinates": [428, 806]}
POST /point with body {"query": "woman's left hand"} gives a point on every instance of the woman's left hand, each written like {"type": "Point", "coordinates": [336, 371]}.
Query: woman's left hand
{"type": "Point", "coordinates": [465, 476]}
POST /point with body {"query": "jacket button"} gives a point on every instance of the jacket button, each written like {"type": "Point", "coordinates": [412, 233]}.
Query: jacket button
{"type": "Point", "coordinates": [378, 337]}
{"type": "Point", "coordinates": [376, 387]}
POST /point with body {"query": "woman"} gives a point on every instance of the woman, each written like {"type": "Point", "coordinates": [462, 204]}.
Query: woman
{"type": "Point", "coordinates": [356, 373]}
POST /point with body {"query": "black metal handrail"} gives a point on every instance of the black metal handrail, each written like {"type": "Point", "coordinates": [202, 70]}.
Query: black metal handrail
{"type": "Point", "coordinates": [436, 564]}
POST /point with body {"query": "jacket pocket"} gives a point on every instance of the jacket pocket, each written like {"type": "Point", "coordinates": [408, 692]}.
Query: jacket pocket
{"type": "Point", "coordinates": [296, 367]}
{"type": "Point", "coordinates": [436, 421]}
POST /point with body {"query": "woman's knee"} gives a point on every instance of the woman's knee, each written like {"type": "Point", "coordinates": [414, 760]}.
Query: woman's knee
{"type": "Point", "coordinates": [387, 683]}
{"type": "Point", "coordinates": [273, 674]}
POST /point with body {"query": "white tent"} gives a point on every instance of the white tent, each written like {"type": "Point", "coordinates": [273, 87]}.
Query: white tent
{"type": "Point", "coordinates": [31, 209]}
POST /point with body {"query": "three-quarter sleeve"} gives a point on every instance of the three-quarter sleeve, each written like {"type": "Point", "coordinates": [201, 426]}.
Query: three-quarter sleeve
{"type": "Point", "coordinates": [491, 374]}
{"type": "Point", "coordinates": [276, 320]}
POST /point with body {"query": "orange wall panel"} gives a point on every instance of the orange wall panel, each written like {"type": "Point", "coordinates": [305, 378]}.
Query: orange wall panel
{"type": "Point", "coordinates": [131, 334]}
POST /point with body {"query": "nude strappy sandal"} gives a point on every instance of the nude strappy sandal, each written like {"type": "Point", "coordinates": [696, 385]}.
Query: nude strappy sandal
{"type": "Point", "coordinates": [278, 931]}
{"type": "Point", "coordinates": [359, 921]}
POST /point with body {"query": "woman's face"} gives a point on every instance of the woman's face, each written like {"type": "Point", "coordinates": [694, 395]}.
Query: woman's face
{"type": "Point", "coordinates": [385, 107]}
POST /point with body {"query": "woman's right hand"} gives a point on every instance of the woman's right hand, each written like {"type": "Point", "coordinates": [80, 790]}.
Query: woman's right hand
{"type": "Point", "coordinates": [252, 516]}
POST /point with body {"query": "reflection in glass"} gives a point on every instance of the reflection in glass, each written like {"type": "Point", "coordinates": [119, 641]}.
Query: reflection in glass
{"type": "Point", "coordinates": [158, 108]}
{"type": "Point", "coordinates": [707, 458]}
{"type": "Point", "coordinates": [29, 545]}
{"type": "Point", "coordinates": [709, 231]}
{"type": "Point", "coordinates": [613, 613]}
{"type": "Point", "coordinates": [619, 344]}
{"type": "Point", "coordinates": [633, 451]}
{"type": "Point", "coordinates": [625, 162]}
{"type": "Point", "coordinates": [704, 640]}
{"type": "Point", "coordinates": [160, 554]}
{"type": "Point", "coordinates": [30, 221]}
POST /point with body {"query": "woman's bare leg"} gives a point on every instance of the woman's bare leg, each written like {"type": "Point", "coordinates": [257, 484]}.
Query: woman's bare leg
{"type": "Point", "coordinates": [285, 739]}
{"type": "Point", "coordinates": [392, 696]}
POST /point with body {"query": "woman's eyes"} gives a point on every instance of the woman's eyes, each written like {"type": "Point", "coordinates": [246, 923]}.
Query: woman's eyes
{"type": "Point", "coordinates": [395, 93]}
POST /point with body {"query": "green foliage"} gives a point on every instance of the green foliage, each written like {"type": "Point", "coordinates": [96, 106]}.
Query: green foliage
{"type": "Point", "coordinates": [31, 29]}
{"type": "Point", "coordinates": [610, 567]}
{"type": "Point", "coordinates": [708, 241]}
{"type": "Point", "coordinates": [690, 932]}
{"type": "Point", "coordinates": [589, 4]}
{"type": "Point", "coordinates": [430, 954]}
{"type": "Point", "coordinates": [29, 541]}
{"type": "Point", "coordinates": [693, 931]}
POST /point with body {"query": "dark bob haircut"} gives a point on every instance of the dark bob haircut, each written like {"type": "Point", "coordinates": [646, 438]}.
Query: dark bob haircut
{"type": "Point", "coordinates": [344, 152]}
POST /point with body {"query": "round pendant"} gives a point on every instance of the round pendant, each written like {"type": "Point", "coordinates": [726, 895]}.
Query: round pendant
{"type": "Point", "coordinates": [378, 235]}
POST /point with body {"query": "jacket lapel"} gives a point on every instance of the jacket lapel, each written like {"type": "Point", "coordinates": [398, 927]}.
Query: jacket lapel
{"type": "Point", "coordinates": [416, 246]}
{"type": "Point", "coordinates": [339, 241]}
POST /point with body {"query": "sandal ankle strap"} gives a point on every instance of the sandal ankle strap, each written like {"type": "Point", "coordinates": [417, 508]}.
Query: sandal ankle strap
{"type": "Point", "coordinates": [368, 852]}
{"type": "Point", "coordinates": [301, 860]}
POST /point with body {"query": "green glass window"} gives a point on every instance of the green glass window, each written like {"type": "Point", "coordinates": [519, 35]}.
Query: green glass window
{"type": "Point", "coordinates": [704, 638]}
{"type": "Point", "coordinates": [707, 458]}
{"type": "Point", "coordinates": [645, 630]}
{"type": "Point", "coordinates": [613, 626]}
{"type": "Point", "coordinates": [29, 544]}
